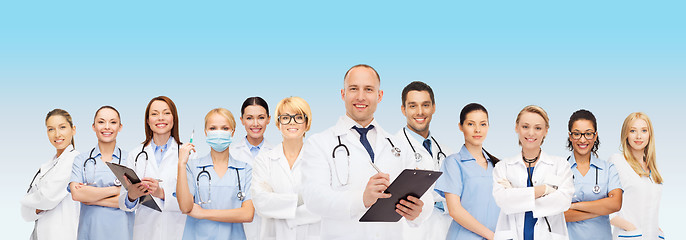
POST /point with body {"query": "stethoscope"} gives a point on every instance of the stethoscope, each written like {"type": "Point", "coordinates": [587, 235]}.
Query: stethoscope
{"type": "Point", "coordinates": [240, 194]}
{"type": "Point", "coordinates": [596, 188]}
{"type": "Point", "coordinates": [135, 161]}
{"type": "Point", "coordinates": [91, 158]}
{"type": "Point", "coordinates": [418, 157]}
{"type": "Point", "coordinates": [394, 150]}
{"type": "Point", "coordinates": [530, 174]}
{"type": "Point", "coordinates": [41, 178]}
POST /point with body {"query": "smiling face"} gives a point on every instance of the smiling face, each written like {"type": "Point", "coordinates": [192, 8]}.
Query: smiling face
{"type": "Point", "coordinates": [292, 130]}
{"type": "Point", "coordinates": [638, 135]}
{"type": "Point", "coordinates": [418, 109]}
{"type": "Point", "coordinates": [475, 128]}
{"type": "Point", "coordinates": [160, 118]}
{"type": "Point", "coordinates": [361, 94]}
{"type": "Point", "coordinates": [60, 132]}
{"type": "Point", "coordinates": [255, 120]}
{"type": "Point", "coordinates": [107, 125]}
{"type": "Point", "coordinates": [582, 146]}
{"type": "Point", "coordinates": [532, 130]}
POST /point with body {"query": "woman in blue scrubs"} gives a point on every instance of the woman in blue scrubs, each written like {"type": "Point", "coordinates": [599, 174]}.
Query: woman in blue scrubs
{"type": "Point", "coordinates": [216, 195]}
{"type": "Point", "coordinates": [96, 187]}
{"type": "Point", "coordinates": [467, 180]}
{"type": "Point", "coordinates": [597, 189]}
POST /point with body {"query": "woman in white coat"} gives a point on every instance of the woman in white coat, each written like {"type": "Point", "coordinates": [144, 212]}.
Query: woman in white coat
{"type": "Point", "coordinates": [47, 201]}
{"type": "Point", "coordinates": [154, 160]}
{"type": "Point", "coordinates": [255, 118]}
{"type": "Point", "coordinates": [532, 189]}
{"type": "Point", "coordinates": [277, 178]}
{"type": "Point", "coordinates": [641, 181]}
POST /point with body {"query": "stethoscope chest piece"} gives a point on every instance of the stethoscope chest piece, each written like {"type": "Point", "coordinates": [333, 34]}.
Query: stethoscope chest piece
{"type": "Point", "coordinates": [596, 189]}
{"type": "Point", "coordinates": [396, 151]}
{"type": "Point", "coordinates": [117, 182]}
{"type": "Point", "coordinates": [418, 156]}
{"type": "Point", "coordinates": [240, 195]}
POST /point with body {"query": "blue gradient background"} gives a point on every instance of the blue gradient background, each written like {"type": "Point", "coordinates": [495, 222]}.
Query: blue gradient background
{"type": "Point", "coordinates": [611, 57]}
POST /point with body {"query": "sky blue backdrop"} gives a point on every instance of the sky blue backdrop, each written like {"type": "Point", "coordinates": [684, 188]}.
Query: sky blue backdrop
{"type": "Point", "coordinates": [611, 57]}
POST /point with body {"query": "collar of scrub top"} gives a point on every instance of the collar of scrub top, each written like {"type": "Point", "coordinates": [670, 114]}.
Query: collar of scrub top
{"type": "Point", "coordinates": [595, 162]}
{"type": "Point", "coordinates": [233, 163]}
{"type": "Point", "coordinates": [97, 153]}
{"type": "Point", "coordinates": [418, 137]}
{"type": "Point", "coordinates": [465, 155]}
{"type": "Point", "coordinates": [254, 150]}
{"type": "Point", "coordinates": [161, 150]}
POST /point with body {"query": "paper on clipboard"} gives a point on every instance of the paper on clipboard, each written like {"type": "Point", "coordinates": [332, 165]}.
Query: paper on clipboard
{"type": "Point", "coordinates": [120, 171]}
{"type": "Point", "coordinates": [409, 183]}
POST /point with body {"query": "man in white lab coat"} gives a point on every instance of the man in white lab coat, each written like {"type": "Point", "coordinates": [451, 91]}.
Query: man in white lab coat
{"type": "Point", "coordinates": [340, 182]}
{"type": "Point", "coordinates": [418, 106]}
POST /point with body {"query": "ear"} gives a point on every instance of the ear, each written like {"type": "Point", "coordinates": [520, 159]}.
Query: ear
{"type": "Point", "coordinates": [93, 126]}
{"type": "Point", "coordinates": [343, 94]}
{"type": "Point", "coordinates": [380, 95]}
{"type": "Point", "coordinates": [232, 132]}
{"type": "Point", "coordinates": [120, 127]}
{"type": "Point", "coordinates": [460, 127]}
{"type": "Point", "coordinates": [402, 109]}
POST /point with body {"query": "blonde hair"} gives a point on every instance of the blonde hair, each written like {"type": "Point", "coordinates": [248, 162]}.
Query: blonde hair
{"type": "Point", "coordinates": [537, 110]}
{"type": "Point", "coordinates": [224, 113]}
{"type": "Point", "coordinates": [295, 104]}
{"type": "Point", "coordinates": [648, 151]}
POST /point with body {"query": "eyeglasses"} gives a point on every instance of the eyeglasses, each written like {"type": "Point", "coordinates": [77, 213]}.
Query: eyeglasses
{"type": "Point", "coordinates": [577, 135]}
{"type": "Point", "coordinates": [286, 118]}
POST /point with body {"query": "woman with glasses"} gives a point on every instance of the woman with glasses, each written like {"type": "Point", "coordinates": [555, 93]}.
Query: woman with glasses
{"type": "Point", "coordinates": [95, 186]}
{"type": "Point", "coordinates": [277, 178]}
{"type": "Point", "coordinates": [596, 182]}
{"type": "Point", "coordinates": [155, 162]}
{"type": "Point", "coordinates": [215, 195]}
{"type": "Point", "coordinates": [641, 180]}
{"type": "Point", "coordinates": [255, 118]}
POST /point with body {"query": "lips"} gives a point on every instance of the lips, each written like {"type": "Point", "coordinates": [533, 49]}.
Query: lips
{"type": "Point", "coordinates": [477, 137]}
{"type": "Point", "coordinates": [292, 129]}
{"type": "Point", "coordinates": [161, 125]}
{"type": "Point", "coordinates": [360, 106]}
{"type": "Point", "coordinates": [106, 134]}
{"type": "Point", "coordinates": [638, 142]}
{"type": "Point", "coordinates": [255, 130]}
{"type": "Point", "coordinates": [582, 146]}
{"type": "Point", "coordinates": [420, 120]}
{"type": "Point", "coordinates": [59, 140]}
{"type": "Point", "coordinates": [530, 139]}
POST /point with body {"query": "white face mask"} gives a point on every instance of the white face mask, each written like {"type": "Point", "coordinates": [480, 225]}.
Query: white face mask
{"type": "Point", "coordinates": [219, 140]}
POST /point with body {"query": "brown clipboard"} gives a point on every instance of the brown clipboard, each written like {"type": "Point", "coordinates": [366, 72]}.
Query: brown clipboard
{"type": "Point", "coordinates": [410, 182]}
{"type": "Point", "coordinates": [120, 171]}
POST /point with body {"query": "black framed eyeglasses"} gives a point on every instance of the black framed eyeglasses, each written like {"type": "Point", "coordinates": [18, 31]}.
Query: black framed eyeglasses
{"type": "Point", "coordinates": [286, 118]}
{"type": "Point", "coordinates": [577, 135]}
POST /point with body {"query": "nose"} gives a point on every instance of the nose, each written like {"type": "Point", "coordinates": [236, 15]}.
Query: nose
{"type": "Point", "coordinates": [477, 129]}
{"type": "Point", "coordinates": [421, 111]}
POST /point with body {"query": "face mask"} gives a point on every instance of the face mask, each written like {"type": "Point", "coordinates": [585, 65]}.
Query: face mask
{"type": "Point", "coordinates": [218, 140]}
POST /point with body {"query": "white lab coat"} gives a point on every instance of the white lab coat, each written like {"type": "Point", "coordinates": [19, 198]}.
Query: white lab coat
{"type": "Point", "coordinates": [640, 202]}
{"type": "Point", "coordinates": [60, 218]}
{"type": "Point", "coordinates": [241, 151]}
{"type": "Point", "coordinates": [340, 205]}
{"type": "Point", "coordinates": [515, 201]}
{"type": "Point", "coordinates": [436, 227]}
{"type": "Point", "coordinates": [150, 224]}
{"type": "Point", "coordinates": [275, 189]}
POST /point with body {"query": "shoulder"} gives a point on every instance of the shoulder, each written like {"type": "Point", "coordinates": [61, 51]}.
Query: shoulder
{"type": "Point", "coordinates": [616, 158]}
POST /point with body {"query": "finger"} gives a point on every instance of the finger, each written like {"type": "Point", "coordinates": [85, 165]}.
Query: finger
{"type": "Point", "coordinates": [404, 214]}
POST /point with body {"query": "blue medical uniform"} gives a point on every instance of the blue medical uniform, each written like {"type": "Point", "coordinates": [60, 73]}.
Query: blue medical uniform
{"type": "Point", "coordinates": [223, 195]}
{"type": "Point", "coordinates": [463, 177]}
{"type": "Point", "coordinates": [98, 222]}
{"type": "Point", "coordinates": [608, 180]}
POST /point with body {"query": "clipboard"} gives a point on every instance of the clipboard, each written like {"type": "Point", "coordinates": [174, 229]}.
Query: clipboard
{"type": "Point", "coordinates": [120, 171]}
{"type": "Point", "coordinates": [410, 182]}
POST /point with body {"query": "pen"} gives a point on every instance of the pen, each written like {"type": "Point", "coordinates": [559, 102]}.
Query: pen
{"type": "Point", "coordinates": [375, 167]}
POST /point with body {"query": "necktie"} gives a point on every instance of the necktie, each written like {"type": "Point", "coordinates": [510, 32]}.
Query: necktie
{"type": "Point", "coordinates": [427, 145]}
{"type": "Point", "coordinates": [364, 141]}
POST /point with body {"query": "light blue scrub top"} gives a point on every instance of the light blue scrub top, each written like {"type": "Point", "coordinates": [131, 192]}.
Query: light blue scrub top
{"type": "Point", "coordinates": [98, 222]}
{"type": "Point", "coordinates": [463, 177]}
{"type": "Point", "coordinates": [608, 180]}
{"type": "Point", "coordinates": [223, 195]}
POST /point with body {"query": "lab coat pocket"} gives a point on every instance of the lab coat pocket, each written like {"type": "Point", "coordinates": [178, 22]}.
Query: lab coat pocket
{"type": "Point", "coordinates": [635, 234]}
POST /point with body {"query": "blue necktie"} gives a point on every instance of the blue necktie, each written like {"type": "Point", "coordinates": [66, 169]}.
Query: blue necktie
{"type": "Point", "coordinates": [427, 145]}
{"type": "Point", "coordinates": [364, 141]}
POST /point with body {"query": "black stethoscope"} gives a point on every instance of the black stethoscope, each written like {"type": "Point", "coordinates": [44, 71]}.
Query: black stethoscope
{"type": "Point", "coordinates": [46, 173]}
{"type": "Point", "coordinates": [135, 161]}
{"type": "Point", "coordinates": [596, 188]}
{"type": "Point", "coordinates": [394, 150]}
{"type": "Point", "coordinates": [90, 157]}
{"type": "Point", "coordinates": [240, 194]}
{"type": "Point", "coordinates": [418, 157]}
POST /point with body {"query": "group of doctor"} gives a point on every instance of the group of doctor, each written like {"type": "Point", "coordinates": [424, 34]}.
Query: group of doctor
{"type": "Point", "coordinates": [318, 188]}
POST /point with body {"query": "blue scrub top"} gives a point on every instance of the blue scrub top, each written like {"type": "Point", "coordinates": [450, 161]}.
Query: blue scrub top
{"type": "Point", "coordinates": [463, 177]}
{"type": "Point", "coordinates": [223, 195]}
{"type": "Point", "coordinates": [98, 222]}
{"type": "Point", "coordinates": [608, 180]}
